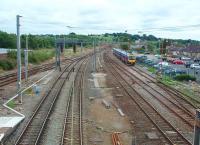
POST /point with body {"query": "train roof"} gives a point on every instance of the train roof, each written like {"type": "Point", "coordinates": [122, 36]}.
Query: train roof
{"type": "Point", "coordinates": [122, 51]}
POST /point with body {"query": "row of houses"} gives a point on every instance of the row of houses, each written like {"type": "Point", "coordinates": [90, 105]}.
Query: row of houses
{"type": "Point", "coordinates": [190, 51]}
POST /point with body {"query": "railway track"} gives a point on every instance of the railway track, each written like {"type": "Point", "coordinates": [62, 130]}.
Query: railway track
{"type": "Point", "coordinates": [12, 77]}
{"type": "Point", "coordinates": [157, 119]}
{"type": "Point", "coordinates": [115, 139]}
{"type": "Point", "coordinates": [179, 95]}
{"type": "Point", "coordinates": [32, 131]}
{"type": "Point", "coordinates": [178, 109]}
{"type": "Point", "coordinates": [73, 128]}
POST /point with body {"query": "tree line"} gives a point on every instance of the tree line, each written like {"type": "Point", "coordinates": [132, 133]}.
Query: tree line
{"type": "Point", "coordinates": [48, 41]}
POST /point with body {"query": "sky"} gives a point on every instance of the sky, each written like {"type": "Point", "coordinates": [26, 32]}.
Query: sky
{"type": "Point", "coordinates": [103, 16]}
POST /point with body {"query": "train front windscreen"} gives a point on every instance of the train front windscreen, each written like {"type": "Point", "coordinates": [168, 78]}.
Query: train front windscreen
{"type": "Point", "coordinates": [131, 57]}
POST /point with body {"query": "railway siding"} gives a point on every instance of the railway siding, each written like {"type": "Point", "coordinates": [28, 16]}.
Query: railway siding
{"type": "Point", "coordinates": [145, 109]}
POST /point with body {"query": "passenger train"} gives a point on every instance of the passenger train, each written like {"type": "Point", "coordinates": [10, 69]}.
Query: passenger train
{"type": "Point", "coordinates": [124, 56]}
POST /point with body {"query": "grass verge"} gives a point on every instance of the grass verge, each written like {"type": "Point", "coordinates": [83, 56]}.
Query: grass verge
{"type": "Point", "coordinates": [188, 92]}
{"type": "Point", "coordinates": [11, 104]}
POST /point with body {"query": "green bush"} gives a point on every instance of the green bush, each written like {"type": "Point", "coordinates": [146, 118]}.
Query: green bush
{"type": "Point", "coordinates": [151, 69]}
{"type": "Point", "coordinates": [12, 54]}
{"type": "Point", "coordinates": [7, 64]}
{"type": "Point", "coordinates": [184, 77]}
{"type": "Point", "coordinates": [40, 56]}
{"type": "Point", "coordinates": [34, 57]}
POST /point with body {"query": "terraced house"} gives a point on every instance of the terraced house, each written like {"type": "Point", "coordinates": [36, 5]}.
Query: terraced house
{"type": "Point", "coordinates": [190, 51]}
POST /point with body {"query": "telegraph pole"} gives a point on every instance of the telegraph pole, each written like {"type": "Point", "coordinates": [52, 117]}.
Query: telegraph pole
{"type": "Point", "coordinates": [18, 56]}
{"type": "Point", "coordinates": [196, 140]}
{"type": "Point", "coordinates": [26, 59]}
{"type": "Point", "coordinates": [56, 53]}
{"type": "Point", "coordinates": [94, 56]}
{"type": "Point", "coordinates": [81, 48]}
{"type": "Point", "coordinates": [64, 44]}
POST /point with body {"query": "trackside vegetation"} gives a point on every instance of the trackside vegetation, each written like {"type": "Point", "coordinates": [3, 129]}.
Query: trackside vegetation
{"type": "Point", "coordinates": [35, 57]}
{"type": "Point", "coordinates": [185, 77]}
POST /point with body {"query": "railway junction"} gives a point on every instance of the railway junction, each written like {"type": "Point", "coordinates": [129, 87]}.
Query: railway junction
{"type": "Point", "coordinates": [96, 99]}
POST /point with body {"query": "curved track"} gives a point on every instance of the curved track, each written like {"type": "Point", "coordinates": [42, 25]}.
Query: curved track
{"type": "Point", "coordinates": [12, 77]}
{"type": "Point", "coordinates": [179, 109]}
{"type": "Point", "coordinates": [179, 95]}
{"type": "Point", "coordinates": [32, 131]}
{"type": "Point", "coordinates": [162, 125]}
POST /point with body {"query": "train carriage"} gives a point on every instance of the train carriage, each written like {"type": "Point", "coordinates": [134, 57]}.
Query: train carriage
{"type": "Point", "coordinates": [124, 56]}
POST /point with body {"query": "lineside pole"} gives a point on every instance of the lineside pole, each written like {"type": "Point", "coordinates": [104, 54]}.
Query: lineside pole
{"type": "Point", "coordinates": [94, 56]}
{"type": "Point", "coordinates": [26, 60]}
{"type": "Point", "coordinates": [56, 55]}
{"type": "Point", "coordinates": [81, 48]}
{"type": "Point", "coordinates": [18, 57]}
{"type": "Point", "coordinates": [59, 51]}
{"type": "Point", "coordinates": [64, 44]}
{"type": "Point", "coordinates": [197, 128]}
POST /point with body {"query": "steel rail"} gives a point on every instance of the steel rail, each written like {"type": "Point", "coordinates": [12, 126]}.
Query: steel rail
{"type": "Point", "coordinates": [12, 77]}
{"type": "Point", "coordinates": [80, 96]}
{"type": "Point", "coordinates": [186, 116]}
{"type": "Point", "coordinates": [36, 136]}
{"type": "Point", "coordinates": [165, 87]}
{"type": "Point", "coordinates": [147, 110]}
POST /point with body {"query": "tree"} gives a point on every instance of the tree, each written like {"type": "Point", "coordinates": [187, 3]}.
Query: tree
{"type": "Point", "coordinates": [124, 46]}
{"type": "Point", "coordinates": [151, 47]}
{"type": "Point", "coordinates": [74, 47]}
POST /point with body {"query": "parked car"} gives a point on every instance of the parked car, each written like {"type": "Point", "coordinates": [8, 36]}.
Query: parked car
{"type": "Point", "coordinates": [164, 58]}
{"type": "Point", "coordinates": [188, 64]}
{"type": "Point", "coordinates": [161, 65]}
{"type": "Point", "coordinates": [180, 71]}
{"type": "Point", "coordinates": [158, 56]}
{"type": "Point", "coordinates": [178, 62]}
{"type": "Point", "coordinates": [169, 71]}
{"type": "Point", "coordinates": [185, 58]}
{"type": "Point", "coordinates": [141, 58]}
{"type": "Point", "coordinates": [147, 53]}
{"type": "Point", "coordinates": [152, 63]}
{"type": "Point", "coordinates": [147, 61]}
{"type": "Point", "coordinates": [171, 59]}
{"type": "Point", "coordinates": [195, 65]}
{"type": "Point", "coordinates": [197, 60]}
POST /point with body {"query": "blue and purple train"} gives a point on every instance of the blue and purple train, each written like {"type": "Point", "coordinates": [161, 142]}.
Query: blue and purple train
{"type": "Point", "coordinates": [124, 56]}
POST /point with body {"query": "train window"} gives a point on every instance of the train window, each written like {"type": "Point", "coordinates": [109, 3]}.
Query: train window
{"type": "Point", "coordinates": [131, 57]}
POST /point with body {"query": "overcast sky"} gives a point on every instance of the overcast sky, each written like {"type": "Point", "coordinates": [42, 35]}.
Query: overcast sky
{"type": "Point", "coordinates": [100, 16]}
